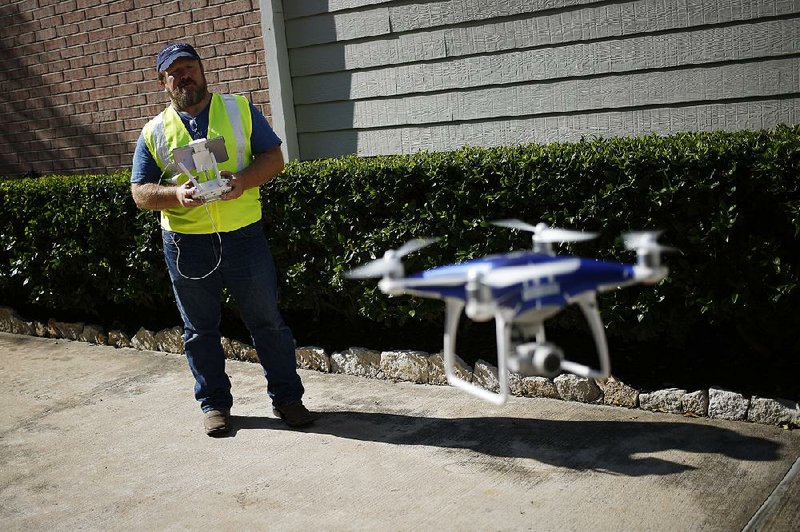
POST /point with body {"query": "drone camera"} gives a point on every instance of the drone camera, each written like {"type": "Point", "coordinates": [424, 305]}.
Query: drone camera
{"type": "Point", "coordinates": [536, 358]}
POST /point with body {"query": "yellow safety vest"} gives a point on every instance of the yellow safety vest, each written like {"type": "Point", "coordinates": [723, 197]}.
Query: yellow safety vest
{"type": "Point", "coordinates": [228, 117]}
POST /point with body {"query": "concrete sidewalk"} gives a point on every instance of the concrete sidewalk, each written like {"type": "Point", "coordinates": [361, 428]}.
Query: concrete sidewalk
{"type": "Point", "coordinates": [93, 437]}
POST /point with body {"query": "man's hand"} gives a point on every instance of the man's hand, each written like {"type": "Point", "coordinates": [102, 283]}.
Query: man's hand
{"type": "Point", "coordinates": [185, 193]}
{"type": "Point", "coordinates": [154, 197]}
{"type": "Point", "coordinates": [236, 184]}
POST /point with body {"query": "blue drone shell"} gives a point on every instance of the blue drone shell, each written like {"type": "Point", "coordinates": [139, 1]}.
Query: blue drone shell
{"type": "Point", "coordinates": [576, 276]}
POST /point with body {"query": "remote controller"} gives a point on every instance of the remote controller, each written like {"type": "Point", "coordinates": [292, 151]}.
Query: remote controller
{"type": "Point", "coordinates": [210, 191]}
{"type": "Point", "coordinates": [203, 155]}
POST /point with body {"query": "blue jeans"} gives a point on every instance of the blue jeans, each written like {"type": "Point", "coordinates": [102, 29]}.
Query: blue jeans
{"type": "Point", "coordinates": [200, 266]}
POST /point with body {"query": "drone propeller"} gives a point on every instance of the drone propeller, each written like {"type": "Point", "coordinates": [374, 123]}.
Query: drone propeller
{"type": "Point", "coordinates": [376, 268]}
{"type": "Point", "coordinates": [544, 235]}
{"type": "Point", "coordinates": [515, 224]}
{"type": "Point", "coordinates": [644, 242]}
{"type": "Point", "coordinates": [389, 265]}
{"type": "Point", "coordinates": [414, 245]}
{"type": "Point", "coordinates": [647, 248]}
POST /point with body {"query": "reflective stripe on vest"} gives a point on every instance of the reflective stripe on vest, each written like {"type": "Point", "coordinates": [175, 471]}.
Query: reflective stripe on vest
{"type": "Point", "coordinates": [157, 144]}
{"type": "Point", "coordinates": [228, 117]}
{"type": "Point", "coordinates": [231, 106]}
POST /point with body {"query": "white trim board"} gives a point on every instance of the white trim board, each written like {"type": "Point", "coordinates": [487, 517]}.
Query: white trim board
{"type": "Point", "coordinates": [280, 81]}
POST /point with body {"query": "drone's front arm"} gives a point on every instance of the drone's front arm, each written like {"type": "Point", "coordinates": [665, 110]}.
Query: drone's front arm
{"type": "Point", "coordinates": [588, 304]}
{"type": "Point", "coordinates": [453, 310]}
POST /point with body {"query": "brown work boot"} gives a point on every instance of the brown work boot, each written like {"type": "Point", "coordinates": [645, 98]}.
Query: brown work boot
{"type": "Point", "coordinates": [294, 414]}
{"type": "Point", "coordinates": [217, 421]}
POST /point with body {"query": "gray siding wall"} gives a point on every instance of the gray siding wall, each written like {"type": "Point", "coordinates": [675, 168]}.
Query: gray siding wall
{"type": "Point", "coordinates": [385, 77]}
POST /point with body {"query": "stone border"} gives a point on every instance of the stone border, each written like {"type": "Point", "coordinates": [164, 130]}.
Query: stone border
{"type": "Point", "coordinates": [424, 368]}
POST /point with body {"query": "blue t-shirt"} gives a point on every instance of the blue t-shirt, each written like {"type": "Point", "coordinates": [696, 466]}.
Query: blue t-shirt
{"type": "Point", "coordinates": [146, 170]}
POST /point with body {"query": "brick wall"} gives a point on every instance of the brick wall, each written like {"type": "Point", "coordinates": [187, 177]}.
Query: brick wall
{"type": "Point", "coordinates": [78, 78]}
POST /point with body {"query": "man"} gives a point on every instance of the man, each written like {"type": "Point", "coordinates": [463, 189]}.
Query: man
{"type": "Point", "coordinates": [208, 246]}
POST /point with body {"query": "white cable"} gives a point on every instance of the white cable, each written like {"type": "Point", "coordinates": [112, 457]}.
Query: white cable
{"type": "Point", "coordinates": [178, 256]}
{"type": "Point", "coordinates": [213, 226]}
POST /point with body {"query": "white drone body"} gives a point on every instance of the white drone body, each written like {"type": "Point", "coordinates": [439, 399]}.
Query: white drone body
{"type": "Point", "coordinates": [520, 290]}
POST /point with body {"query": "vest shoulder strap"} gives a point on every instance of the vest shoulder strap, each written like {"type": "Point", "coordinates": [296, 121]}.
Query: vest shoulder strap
{"type": "Point", "coordinates": [234, 107]}
{"type": "Point", "coordinates": [156, 139]}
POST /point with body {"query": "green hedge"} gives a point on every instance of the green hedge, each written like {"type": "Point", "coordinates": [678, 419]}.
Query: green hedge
{"type": "Point", "coordinates": [78, 245]}
{"type": "Point", "coordinates": [728, 201]}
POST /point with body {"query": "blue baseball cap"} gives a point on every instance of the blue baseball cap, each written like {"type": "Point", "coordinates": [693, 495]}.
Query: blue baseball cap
{"type": "Point", "coordinates": [173, 51]}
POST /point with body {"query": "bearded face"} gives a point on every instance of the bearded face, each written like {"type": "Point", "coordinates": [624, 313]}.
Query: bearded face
{"type": "Point", "coordinates": [188, 92]}
{"type": "Point", "coordinates": [185, 83]}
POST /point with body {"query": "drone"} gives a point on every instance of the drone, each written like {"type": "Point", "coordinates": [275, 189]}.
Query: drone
{"type": "Point", "coordinates": [520, 290]}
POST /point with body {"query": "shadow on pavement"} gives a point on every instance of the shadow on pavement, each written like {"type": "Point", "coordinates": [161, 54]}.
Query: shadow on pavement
{"type": "Point", "coordinates": [609, 446]}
